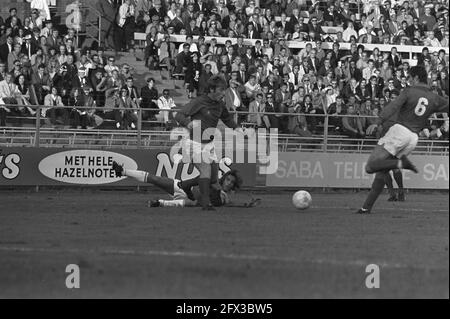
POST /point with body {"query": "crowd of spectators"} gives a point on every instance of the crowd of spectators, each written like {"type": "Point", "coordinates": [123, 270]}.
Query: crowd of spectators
{"type": "Point", "coordinates": [268, 76]}
{"type": "Point", "coordinates": [40, 65]}
{"type": "Point", "coordinates": [271, 77]}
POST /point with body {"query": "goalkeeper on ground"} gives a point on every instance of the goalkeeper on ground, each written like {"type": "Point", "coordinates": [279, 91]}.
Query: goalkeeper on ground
{"type": "Point", "coordinates": [219, 193]}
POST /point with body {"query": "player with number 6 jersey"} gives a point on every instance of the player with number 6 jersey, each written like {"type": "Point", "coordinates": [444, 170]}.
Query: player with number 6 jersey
{"type": "Point", "coordinates": [407, 115]}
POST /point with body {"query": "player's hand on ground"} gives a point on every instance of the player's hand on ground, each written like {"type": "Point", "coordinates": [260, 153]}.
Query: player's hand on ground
{"type": "Point", "coordinates": [253, 202]}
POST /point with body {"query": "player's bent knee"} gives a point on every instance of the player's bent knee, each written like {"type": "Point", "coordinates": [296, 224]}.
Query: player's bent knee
{"type": "Point", "coordinates": [369, 166]}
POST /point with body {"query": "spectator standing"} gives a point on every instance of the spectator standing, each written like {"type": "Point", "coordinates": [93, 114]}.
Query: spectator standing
{"type": "Point", "coordinates": [149, 95]}
{"type": "Point", "coordinates": [124, 34]}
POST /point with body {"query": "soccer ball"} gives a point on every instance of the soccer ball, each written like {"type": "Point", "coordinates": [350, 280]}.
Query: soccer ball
{"type": "Point", "coordinates": [301, 199]}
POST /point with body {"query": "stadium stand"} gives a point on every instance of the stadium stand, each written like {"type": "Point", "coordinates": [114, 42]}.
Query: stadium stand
{"type": "Point", "coordinates": [101, 71]}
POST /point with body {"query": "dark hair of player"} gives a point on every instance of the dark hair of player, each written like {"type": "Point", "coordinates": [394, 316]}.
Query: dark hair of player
{"type": "Point", "coordinates": [420, 72]}
{"type": "Point", "coordinates": [216, 81]}
{"type": "Point", "coordinates": [237, 177]}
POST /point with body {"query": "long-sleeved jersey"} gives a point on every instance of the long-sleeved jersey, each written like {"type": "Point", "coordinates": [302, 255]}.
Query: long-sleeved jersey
{"type": "Point", "coordinates": [413, 107]}
{"type": "Point", "coordinates": [207, 111]}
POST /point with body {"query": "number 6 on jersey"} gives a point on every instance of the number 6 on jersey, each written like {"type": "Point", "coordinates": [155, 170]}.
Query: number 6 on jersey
{"type": "Point", "coordinates": [421, 106]}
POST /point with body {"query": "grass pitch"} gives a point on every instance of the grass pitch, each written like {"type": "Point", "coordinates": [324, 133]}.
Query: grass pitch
{"type": "Point", "coordinates": [125, 249]}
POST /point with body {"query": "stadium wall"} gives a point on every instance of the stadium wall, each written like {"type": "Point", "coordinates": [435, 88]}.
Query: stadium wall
{"type": "Point", "coordinates": [347, 170]}
{"type": "Point", "coordinates": [59, 167]}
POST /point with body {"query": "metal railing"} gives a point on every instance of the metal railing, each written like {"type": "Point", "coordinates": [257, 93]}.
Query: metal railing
{"type": "Point", "coordinates": [140, 138]}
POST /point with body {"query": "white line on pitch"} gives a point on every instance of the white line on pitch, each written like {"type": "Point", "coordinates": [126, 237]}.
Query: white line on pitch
{"type": "Point", "coordinates": [131, 252]}
{"type": "Point", "coordinates": [431, 210]}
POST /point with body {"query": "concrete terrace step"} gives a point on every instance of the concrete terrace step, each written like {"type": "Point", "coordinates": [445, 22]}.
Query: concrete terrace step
{"type": "Point", "coordinates": [162, 77]}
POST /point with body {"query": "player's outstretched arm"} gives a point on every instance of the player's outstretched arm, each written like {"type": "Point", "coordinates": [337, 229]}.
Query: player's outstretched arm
{"type": "Point", "coordinates": [252, 203]}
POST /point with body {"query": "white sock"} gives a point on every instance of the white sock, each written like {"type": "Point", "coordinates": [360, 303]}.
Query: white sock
{"type": "Point", "coordinates": [141, 176]}
{"type": "Point", "coordinates": [172, 203]}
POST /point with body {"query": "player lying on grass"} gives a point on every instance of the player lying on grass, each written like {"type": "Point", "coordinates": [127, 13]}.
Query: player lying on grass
{"type": "Point", "coordinates": [219, 193]}
{"type": "Point", "coordinates": [409, 113]}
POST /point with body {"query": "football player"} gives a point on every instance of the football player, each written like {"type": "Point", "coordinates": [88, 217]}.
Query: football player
{"type": "Point", "coordinates": [410, 113]}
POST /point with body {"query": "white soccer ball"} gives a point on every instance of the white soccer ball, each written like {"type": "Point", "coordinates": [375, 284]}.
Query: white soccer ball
{"type": "Point", "coordinates": [301, 199]}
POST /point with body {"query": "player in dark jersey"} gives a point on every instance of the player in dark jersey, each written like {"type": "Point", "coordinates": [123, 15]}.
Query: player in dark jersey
{"type": "Point", "coordinates": [200, 115]}
{"type": "Point", "coordinates": [410, 112]}
{"type": "Point", "coordinates": [219, 193]}
{"type": "Point", "coordinates": [398, 177]}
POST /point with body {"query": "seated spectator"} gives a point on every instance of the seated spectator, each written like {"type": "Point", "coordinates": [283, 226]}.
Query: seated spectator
{"type": "Point", "coordinates": [53, 109]}
{"type": "Point", "coordinates": [61, 80]}
{"type": "Point", "coordinates": [282, 96]}
{"type": "Point", "coordinates": [192, 75]}
{"type": "Point", "coordinates": [371, 124]}
{"type": "Point", "coordinates": [336, 111]}
{"type": "Point", "coordinates": [165, 102]}
{"type": "Point", "coordinates": [125, 72]}
{"type": "Point", "coordinates": [2, 71]}
{"type": "Point", "coordinates": [167, 53]}
{"type": "Point", "coordinates": [80, 80]}
{"type": "Point", "coordinates": [114, 80]}
{"type": "Point", "coordinates": [112, 104]}
{"type": "Point", "coordinates": [307, 107]}
{"type": "Point", "coordinates": [92, 119]}
{"type": "Point", "coordinates": [233, 100]}
{"type": "Point", "coordinates": [431, 40]}
{"type": "Point", "coordinates": [183, 59]}
{"type": "Point", "coordinates": [352, 124]}
{"type": "Point", "coordinates": [23, 98]}
{"type": "Point", "coordinates": [256, 109]}
{"type": "Point", "coordinates": [295, 77]}
{"type": "Point", "coordinates": [9, 94]}
{"type": "Point", "coordinates": [276, 121]}
{"type": "Point", "coordinates": [251, 88]}
{"type": "Point", "coordinates": [297, 124]}
{"type": "Point", "coordinates": [203, 79]}
{"type": "Point", "coordinates": [151, 50]}
{"type": "Point", "coordinates": [132, 90]}
{"type": "Point", "coordinates": [14, 56]}
{"type": "Point", "coordinates": [96, 82]}
{"type": "Point", "coordinates": [362, 93]}
{"type": "Point", "coordinates": [374, 89]}
{"type": "Point", "coordinates": [77, 116]}
{"type": "Point", "coordinates": [349, 32]}
{"type": "Point", "coordinates": [28, 48]}
{"type": "Point", "coordinates": [110, 66]}
{"type": "Point", "coordinates": [350, 89]}
{"type": "Point", "coordinates": [127, 106]}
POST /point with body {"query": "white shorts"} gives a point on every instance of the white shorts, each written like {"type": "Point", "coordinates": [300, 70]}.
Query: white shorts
{"type": "Point", "coordinates": [195, 152]}
{"type": "Point", "coordinates": [399, 140]}
{"type": "Point", "coordinates": [178, 193]}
